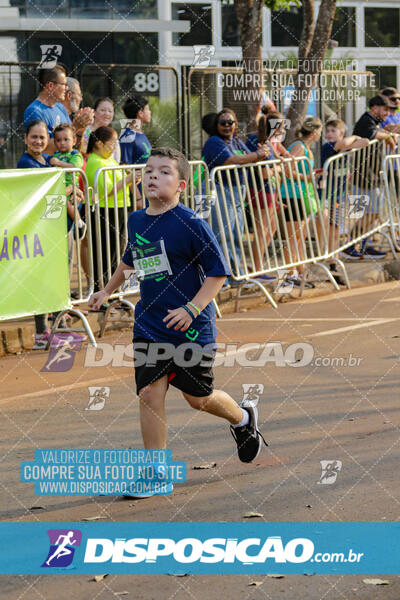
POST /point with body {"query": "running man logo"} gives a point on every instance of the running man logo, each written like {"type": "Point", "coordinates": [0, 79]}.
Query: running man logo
{"type": "Point", "coordinates": [54, 206]}
{"type": "Point", "coordinates": [62, 359]}
{"type": "Point", "coordinates": [330, 471]}
{"type": "Point", "coordinates": [279, 128]}
{"type": "Point", "coordinates": [50, 55]}
{"type": "Point", "coordinates": [252, 392]}
{"type": "Point", "coordinates": [203, 205]}
{"type": "Point", "coordinates": [129, 128]}
{"type": "Point", "coordinates": [98, 397]}
{"type": "Point", "coordinates": [202, 55]}
{"type": "Point", "coordinates": [63, 543]}
{"type": "Point", "coordinates": [132, 279]}
{"type": "Point", "coordinates": [284, 285]}
{"type": "Point", "coordinates": [357, 206]}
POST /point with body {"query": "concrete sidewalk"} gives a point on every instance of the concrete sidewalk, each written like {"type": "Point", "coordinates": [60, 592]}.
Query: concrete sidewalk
{"type": "Point", "coordinates": [17, 336]}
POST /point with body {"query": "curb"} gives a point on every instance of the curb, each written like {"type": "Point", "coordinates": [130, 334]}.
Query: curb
{"type": "Point", "coordinates": [17, 336]}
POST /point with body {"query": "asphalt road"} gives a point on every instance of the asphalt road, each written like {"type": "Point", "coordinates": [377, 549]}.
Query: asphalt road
{"type": "Point", "coordinates": [341, 406]}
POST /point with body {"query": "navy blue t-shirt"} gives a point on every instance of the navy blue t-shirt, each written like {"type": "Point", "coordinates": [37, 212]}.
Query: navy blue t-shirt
{"type": "Point", "coordinates": [339, 170]}
{"type": "Point", "coordinates": [174, 252]}
{"type": "Point", "coordinates": [252, 142]}
{"type": "Point", "coordinates": [28, 162]}
{"type": "Point", "coordinates": [216, 152]}
{"type": "Point", "coordinates": [135, 147]}
{"type": "Point", "coordinates": [328, 150]}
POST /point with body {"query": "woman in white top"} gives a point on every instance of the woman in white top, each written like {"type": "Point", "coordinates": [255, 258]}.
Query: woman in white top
{"type": "Point", "coordinates": [103, 116]}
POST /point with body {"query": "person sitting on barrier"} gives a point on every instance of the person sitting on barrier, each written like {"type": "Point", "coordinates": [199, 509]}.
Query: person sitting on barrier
{"type": "Point", "coordinates": [336, 142]}
{"type": "Point", "coordinates": [103, 116]}
{"type": "Point", "coordinates": [271, 128]}
{"type": "Point", "coordinates": [225, 148]}
{"type": "Point", "coordinates": [297, 211]}
{"type": "Point", "coordinates": [100, 149]}
{"type": "Point", "coordinates": [36, 140]}
{"type": "Point", "coordinates": [182, 269]}
{"type": "Point", "coordinates": [368, 181]}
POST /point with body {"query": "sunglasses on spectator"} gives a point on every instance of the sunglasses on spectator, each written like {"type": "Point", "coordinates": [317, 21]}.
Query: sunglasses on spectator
{"type": "Point", "coordinates": [228, 122]}
{"type": "Point", "coordinates": [394, 98]}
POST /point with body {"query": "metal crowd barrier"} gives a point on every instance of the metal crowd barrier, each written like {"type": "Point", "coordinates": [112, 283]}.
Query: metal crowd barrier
{"type": "Point", "coordinates": [79, 260]}
{"type": "Point", "coordinates": [391, 179]}
{"type": "Point", "coordinates": [268, 217]}
{"type": "Point", "coordinates": [354, 197]}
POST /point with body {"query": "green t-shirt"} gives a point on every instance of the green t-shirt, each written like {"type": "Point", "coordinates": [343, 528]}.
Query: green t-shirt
{"type": "Point", "coordinates": [95, 162]}
{"type": "Point", "coordinates": [73, 157]}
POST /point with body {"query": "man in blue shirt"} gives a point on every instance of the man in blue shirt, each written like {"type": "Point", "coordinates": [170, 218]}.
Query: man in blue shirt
{"type": "Point", "coordinates": [181, 269]}
{"type": "Point", "coordinates": [47, 106]}
{"type": "Point", "coordinates": [392, 121]}
{"type": "Point", "coordinates": [135, 146]}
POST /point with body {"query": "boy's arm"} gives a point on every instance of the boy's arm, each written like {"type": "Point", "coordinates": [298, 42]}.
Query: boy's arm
{"type": "Point", "coordinates": [392, 128]}
{"type": "Point", "coordinates": [349, 142]}
{"type": "Point", "coordinates": [180, 318]}
{"type": "Point", "coordinates": [118, 278]}
{"type": "Point", "coordinates": [208, 291]}
{"type": "Point", "coordinates": [56, 162]}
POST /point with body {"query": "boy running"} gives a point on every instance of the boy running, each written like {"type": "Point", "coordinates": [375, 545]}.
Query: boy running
{"type": "Point", "coordinates": [181, 269]}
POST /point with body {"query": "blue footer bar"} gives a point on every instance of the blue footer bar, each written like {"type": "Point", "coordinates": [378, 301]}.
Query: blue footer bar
{"type": "Point", "coordinates": [208, 548]}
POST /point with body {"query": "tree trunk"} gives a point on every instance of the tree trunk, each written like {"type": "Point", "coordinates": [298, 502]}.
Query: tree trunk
{"type": "Point", "coordinates": [249, 16]}
{"type": "Point", "coordinates": [312, 49]}
{"type": "Point", "coordinates": [308, 29]}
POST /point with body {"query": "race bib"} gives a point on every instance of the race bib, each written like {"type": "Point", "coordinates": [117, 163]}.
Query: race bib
{"type": "Point", "coordinates": [151, 260]}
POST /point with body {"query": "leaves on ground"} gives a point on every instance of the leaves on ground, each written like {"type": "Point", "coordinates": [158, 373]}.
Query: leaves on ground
{"type": "Point", "coordinates": [255, 583]}
{"type": "Point", "coordinates": [207, 466]}
{"type": "Point", "coordinates": [275, 576]}
{"type": "Point", "coordinates": [93, 518]}
{"type": "Point", "coordinates": [98, 578]}
{"type": "Point", "coordinates": [376, 581]}
{"type": "Point", "coordinates": [252, 515]}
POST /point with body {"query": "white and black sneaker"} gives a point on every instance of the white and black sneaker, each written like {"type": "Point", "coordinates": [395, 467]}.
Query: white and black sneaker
{"type": "Point", "coordinates": [248, 438]}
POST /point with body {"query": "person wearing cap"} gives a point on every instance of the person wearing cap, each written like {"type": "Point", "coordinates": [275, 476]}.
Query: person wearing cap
{"type": "Point", "coordinates": [369, 126]}
{"type": "Point", "coordinates": [392, 121]}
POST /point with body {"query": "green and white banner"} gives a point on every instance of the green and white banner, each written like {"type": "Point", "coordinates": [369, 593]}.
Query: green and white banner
{"type": "Point", "coordinates": [34, 277]}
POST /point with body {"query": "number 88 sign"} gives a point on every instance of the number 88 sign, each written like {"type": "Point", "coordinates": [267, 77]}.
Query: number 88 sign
{"type": "Point", "coordinates": [146, 82]}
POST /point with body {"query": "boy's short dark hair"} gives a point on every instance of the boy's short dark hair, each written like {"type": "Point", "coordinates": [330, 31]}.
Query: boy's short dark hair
{"type": "Point", "coordinates": [378, 101]}
{"type": "Point", "coordinates": [133, 105]}
{"type": "Point", "coordinates": [181, 160]}
{"type": "Point", "coordinates": [47, 75]}
{"type": "Point", "coordinates": [63, 127]}
{"type": "Point", "coordinates": [337, 124]}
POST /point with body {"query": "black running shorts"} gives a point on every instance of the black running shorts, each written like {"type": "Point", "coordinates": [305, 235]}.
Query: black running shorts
{"type": "Point", "coordinates": [189, 368]}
